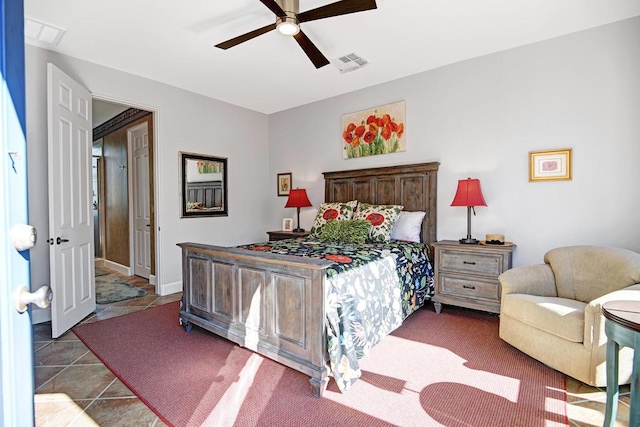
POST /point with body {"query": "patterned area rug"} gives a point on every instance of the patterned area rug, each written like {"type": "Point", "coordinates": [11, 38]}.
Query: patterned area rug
{"type": "Point", "coordinates": [447, 369]}
{"type": "Point", "coordinates": [101, 271]}
{"type": "Point", "coordinates": [111, 289]}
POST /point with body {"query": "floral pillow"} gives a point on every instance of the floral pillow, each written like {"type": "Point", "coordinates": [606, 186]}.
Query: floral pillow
{"type": "Point", "coordinates": [381, 217]}
{"type": "Point", "coordinates": [330, 211]}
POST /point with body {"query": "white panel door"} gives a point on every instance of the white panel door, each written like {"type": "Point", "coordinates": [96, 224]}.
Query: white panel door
{"type": "Point", "coordinates": [139, 143]}
{"type": "Point", "coordinates": [70, 201]}
{"type": "Point", "coordinates": [16, 352]}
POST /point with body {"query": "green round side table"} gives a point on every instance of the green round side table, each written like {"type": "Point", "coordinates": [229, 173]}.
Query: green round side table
{"type": "Point", "coordinates": [622, 326]}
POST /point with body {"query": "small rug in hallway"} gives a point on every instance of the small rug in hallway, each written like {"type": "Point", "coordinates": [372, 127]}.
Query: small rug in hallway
{"type": "Point", "coordinates": [447, 369]}
{"type": "Point", "coordinates": [111, 289]}
{"type": "Point", "coordinates": [101, 271]}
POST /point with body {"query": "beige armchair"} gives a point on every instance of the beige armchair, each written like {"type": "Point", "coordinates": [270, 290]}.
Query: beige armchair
{"type": "Point", "coordinates": [553, 311]}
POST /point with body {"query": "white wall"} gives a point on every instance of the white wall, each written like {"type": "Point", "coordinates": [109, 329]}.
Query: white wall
{"type": "Point", "coordinates": [480, 118]}
{"type": "Point", "coordinates": [185, 121]}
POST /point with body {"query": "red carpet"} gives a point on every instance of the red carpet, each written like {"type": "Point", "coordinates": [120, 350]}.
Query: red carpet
{"type": "Point", "coordinates": [437, 369]}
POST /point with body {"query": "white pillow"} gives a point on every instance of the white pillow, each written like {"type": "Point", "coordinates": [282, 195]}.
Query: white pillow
{"type": "Point", "coordinates": [408, 226]}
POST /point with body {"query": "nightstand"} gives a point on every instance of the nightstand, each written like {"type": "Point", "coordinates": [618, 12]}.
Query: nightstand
{"type": "Point", "coordinates": [466, 275]}
{"type": "Point", "coordinates": [281, 235]}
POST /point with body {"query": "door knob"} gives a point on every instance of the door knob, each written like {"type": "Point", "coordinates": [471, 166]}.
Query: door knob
{"type": "Point", "coordinates": [22, 297]}
{"type": "Point", "coordinates": [61, 240]}
{"type": "Point", "coordinates": [23, 237]}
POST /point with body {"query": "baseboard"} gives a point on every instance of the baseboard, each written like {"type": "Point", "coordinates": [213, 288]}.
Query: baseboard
{"type": "Point", "coordinates": [122, 269]}
{"type": "Point", "coordinates": [99, 262]}
{"type": "Point", "coordinates": [169, 288]}
{"type": "Point", "coordinates": [153, 280]}
{"type": "Point", "coordinates": [40, 315]}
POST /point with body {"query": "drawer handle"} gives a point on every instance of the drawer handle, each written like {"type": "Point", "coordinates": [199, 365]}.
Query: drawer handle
{"type": "Point", "coordinates": [469, 262]}
{"type": "Point", "coordinates": [468, 287]}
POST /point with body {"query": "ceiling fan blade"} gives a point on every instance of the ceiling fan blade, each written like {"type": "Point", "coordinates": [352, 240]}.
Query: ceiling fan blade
{"type": "Point", "coordinates": [274, 7]}
{"type": "Point", "coordinates": [335, 9]}
{"type": "Point", "coordinates": [248, 36]}
{"type": "Point", "coordinates": [318, 59]}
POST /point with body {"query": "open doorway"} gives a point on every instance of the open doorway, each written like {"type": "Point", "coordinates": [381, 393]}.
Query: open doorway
{"type": "Point", "coordinates": [123, 189]}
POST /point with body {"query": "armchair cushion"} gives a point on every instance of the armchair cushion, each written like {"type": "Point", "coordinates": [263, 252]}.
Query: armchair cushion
{"type": "Point", "coordinates": [561, 317]}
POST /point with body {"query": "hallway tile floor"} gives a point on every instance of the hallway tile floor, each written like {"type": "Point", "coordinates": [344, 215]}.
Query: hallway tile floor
{"type": "Point", "coordinates": [73, 388]}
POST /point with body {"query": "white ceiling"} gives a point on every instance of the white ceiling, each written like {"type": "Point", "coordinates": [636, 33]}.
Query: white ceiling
{"type": "Point", "coordinates": [104, 110]}
{"type": "Point", "coordinates": [173, 41]}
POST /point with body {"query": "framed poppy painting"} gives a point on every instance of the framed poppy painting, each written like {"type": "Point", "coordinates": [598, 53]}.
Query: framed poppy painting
{"type": "Point", "coordinates": [553, 165]}
{"type": "Point", "coordinates": [379, 130]}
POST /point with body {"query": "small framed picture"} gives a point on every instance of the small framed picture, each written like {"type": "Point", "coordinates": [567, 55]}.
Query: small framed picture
{"type": "Point", "coordinates": [551, 165]}
{"type": "Point", "coordinates": [287, 224]}
{"type": "Point", "coordinates": [284, 183]}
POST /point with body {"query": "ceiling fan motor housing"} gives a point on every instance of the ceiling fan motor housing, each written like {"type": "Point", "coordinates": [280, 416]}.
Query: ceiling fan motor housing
{"type": "Point", "coordinates": [290, 7]}
{"type": "Point", "coordinates": [288, 25]}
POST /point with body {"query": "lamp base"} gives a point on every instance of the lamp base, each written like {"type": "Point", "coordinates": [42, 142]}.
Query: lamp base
{"type": "Point", "coordinates": [469, 241]}
{"type": "Point", "coordinates": [298, 230]}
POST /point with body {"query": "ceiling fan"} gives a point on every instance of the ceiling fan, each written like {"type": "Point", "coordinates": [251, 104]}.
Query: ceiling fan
{"type": "Point", "coordinates": [288, 20]}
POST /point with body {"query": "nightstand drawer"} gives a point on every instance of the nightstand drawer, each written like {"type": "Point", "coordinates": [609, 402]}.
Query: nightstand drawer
{"type": "Point", "coordinates": [479, 263]}
{"type": "Point", "coordinates": [459, 286]}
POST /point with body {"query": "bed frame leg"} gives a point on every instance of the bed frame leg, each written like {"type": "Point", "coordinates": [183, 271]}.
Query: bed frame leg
{"type": "Point", "coordinates": [438, 307]}
{"type": "Point", "coordinates": [319, 386]}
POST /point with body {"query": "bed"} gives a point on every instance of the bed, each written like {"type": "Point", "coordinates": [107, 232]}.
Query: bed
{"type": "Point", "coordinates": [280, 305]}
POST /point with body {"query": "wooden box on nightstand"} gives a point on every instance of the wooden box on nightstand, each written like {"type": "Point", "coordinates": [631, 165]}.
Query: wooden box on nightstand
{"type": "Point", "coordinates": [281, 235]}
{"type": "Point", "coordinates": [466, 275]}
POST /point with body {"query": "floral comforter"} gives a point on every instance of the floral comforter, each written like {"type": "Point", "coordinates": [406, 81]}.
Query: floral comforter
{"type": "Point", "coordinates": [371, 289]}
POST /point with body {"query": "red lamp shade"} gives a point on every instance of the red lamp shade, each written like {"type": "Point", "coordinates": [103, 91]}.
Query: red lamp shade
{"type": "Point", "coordinates": [469, 193]}
{"type": "Point", "coordinates": [298, 199]}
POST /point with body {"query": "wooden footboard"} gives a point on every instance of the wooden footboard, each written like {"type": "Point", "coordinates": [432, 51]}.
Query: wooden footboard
{"type": "Point", "coordinates": [271, 304]}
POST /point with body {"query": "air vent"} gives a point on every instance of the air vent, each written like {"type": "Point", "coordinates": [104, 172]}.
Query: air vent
{"type": "Point", "coordinates": [45, 34]}
{"type": "Point", "coordinates": [349, 62]}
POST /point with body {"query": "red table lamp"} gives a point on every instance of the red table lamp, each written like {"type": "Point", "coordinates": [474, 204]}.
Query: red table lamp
{"type": "Point", "coordinates": [469, 194]}
{"type": "Point", "coordinates": [298, 199]}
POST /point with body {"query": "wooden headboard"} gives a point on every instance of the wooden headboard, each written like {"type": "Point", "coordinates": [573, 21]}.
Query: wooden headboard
{"type": "Point", "coordinates": [413, 186]}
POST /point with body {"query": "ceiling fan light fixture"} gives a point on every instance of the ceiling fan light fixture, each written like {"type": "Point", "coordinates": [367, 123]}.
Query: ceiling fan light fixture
{"type": "Point", "coordinates": [288, 26]}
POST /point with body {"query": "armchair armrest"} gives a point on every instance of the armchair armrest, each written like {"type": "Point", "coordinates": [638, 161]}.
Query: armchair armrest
{"type": "Point", "coordinates": [530, 279]}
{"type": "Point", "coordinates": [593, 318]}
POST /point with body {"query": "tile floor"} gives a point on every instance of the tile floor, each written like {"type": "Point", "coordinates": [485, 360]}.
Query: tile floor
{"type": "Point", "coordinates": [73, 388]}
